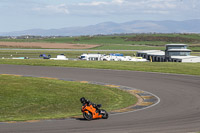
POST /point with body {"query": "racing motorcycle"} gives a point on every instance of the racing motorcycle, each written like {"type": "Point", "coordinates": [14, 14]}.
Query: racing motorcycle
{"type": "Point", "coordinates": [90, 112]}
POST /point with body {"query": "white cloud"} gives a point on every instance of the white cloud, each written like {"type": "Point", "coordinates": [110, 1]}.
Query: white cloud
{"type": "Point", "coordinates": [153, 4]}
{"type": "Point", "coordinates": [162, 5]}
{"type": "Point", "coordinates": [95, 3]}
{"type": "Point", "coordinates": [156, 12]}
{"type": "Point", "coordinates": [118, 1]}
{"type": "Point", "coordinates": [62, 8]}
{"type": "Point", "coordinates": [137, 9]}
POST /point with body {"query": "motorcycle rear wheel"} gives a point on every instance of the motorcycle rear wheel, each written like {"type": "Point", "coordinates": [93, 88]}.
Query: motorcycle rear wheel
{"type": "Point", "coordinates": [87, 116]}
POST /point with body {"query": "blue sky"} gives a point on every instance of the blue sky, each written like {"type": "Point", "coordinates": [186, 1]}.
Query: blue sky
{"type": "Point", "coordinates": [52, 14]}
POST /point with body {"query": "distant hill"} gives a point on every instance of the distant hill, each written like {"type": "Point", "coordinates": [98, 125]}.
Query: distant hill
{"type": "Point", "coordinates": [188, 26]}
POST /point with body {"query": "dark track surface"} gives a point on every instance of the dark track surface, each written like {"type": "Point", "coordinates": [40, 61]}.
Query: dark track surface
{"type": "Point", "coordinates": [178, 110]}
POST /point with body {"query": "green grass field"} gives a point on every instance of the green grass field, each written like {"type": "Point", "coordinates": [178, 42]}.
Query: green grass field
{"type": "Point", "coordinates": [128, 47]}
{"type": "Point", "coordinates": [109, 39]}
{"type": "Point", "coordinates": [27, 98]}
{"type": "Point", "coordinates": [124, 42]}
{"type": "Point", "coordinates": [162, 67]}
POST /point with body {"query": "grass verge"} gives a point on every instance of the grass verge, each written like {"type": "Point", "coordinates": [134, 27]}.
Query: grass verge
{"type": "Point", "coordinates": [163, 67]}
{"type": "Point", "coordinates": [28, 98]}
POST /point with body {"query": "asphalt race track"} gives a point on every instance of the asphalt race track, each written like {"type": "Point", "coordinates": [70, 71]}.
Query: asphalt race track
{"type": "Point", "coordinates": [177, 112]}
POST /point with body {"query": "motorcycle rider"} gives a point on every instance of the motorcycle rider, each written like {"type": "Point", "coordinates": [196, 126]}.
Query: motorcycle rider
{"type": "Point", "coordinates": [85, 101]}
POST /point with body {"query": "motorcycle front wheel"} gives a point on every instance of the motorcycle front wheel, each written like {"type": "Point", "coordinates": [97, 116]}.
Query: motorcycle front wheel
{"type": "Point", "coordinates": [104, 114]}
{"type": "Point", "coordinates": [87, 116]}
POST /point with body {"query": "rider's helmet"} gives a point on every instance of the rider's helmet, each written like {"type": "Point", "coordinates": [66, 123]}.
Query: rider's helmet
{"type": "Point", "coordinates": [82, 99]}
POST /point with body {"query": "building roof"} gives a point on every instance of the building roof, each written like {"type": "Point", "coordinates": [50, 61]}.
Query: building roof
{"type": "Point", "coordinates": [149, 51]}
{"type": "Point", "coordinates": [176, 45]}
{"type": "Point", "coordinates": [161, 53]}
{"type": "Point", "coordinates": [179, 50]}
{"type": "Point", "coordinates": [153, 52]}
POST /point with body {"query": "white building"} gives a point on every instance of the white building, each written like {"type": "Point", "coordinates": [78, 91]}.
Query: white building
{"type": "Point", "coordinates": [173, 53]}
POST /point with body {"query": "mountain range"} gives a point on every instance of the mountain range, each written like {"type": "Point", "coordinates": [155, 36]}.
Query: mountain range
{"type": "Point", "coordinates": [139, 26]}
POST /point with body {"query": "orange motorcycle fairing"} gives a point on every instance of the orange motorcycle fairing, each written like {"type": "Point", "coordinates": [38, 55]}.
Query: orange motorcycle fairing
{"type": "Point", "coordinates": [90, 108]}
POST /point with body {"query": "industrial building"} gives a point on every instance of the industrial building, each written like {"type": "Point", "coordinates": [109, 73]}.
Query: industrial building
{"type": "Point", "coordinates": [172, 53]}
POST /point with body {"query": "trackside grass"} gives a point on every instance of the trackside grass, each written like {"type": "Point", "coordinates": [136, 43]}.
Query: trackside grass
{"type": "Point", "coordinates": [163, 67]}
{"type": "Point", "coordinates": [28, 98]}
